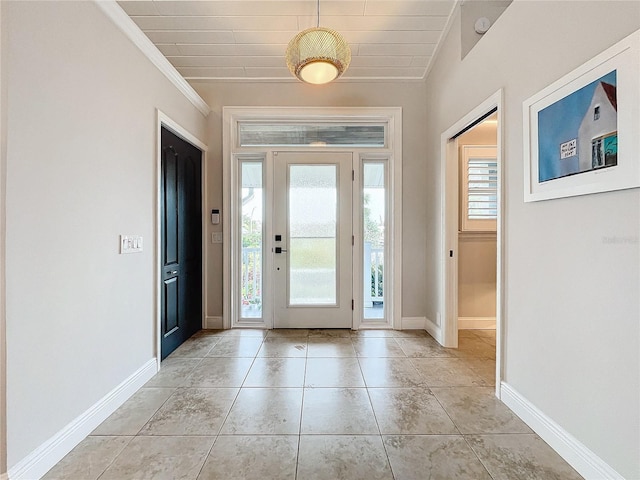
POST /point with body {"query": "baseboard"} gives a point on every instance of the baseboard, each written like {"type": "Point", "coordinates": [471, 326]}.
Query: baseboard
{"type": "Point", "coordinates": [214, 323]}
{"type": "Point", "coordinates": [40, 461]}
{"type": "Point", "coordinates": [586, 463]}
{"type": "Point", "coordinates": [476, 323]}
{"type": "Point", "coordinates": [434, 330]}
{"type": "Point", "coordinates": [412, 323]}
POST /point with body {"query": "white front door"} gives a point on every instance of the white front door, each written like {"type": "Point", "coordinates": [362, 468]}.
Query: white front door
{"type": "Point", "coordinates": [312, 240]}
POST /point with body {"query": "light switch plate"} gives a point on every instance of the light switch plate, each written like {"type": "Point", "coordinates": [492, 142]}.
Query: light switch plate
{"type": "Point", "coordinates": [130, 244]}
{"type": "Point", "coordinates": [216, 237]}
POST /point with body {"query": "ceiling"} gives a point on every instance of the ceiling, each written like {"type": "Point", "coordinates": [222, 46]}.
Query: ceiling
{"type": "Point", "coordinates": [237, 40]}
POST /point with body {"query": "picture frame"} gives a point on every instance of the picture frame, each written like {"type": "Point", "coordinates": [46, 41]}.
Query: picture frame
{"type": "Point", "coordinates": [582, 132]}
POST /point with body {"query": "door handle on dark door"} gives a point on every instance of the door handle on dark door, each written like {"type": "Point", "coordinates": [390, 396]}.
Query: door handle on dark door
{"type": "Point", "coordinates": [172, 272]}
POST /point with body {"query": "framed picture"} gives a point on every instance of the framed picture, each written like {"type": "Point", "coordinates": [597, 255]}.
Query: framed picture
{"type": "Point", "coordinates": [582, 133]}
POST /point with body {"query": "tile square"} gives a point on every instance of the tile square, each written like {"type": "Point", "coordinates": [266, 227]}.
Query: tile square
{"type": "Point", "coordinates": [330, 347]}
{"type": "Point", "coordinates": [377, 347]}
{"type": "Point", "coordinates": [252, 458]}
{"type": "Point", "coordinates": [219, 372]}
{"type": "Point", "coordinates": [520, 456]}
{"type": "Point", "coordinates": [236, 346]}
{"type": "Point", "coordinates": [390, 372]}
{"type": "Point", "coordinates": [337, 411]}
{"type": "Point", "coordinates": [265, 411]}
{"type": "Point", "coordinates": [333, 372]}
{"type": "Point", "coordinates": [373, 333]}
{"type": "Point", "coordinates": [424, 347]}
{"type": "Point", "coordinates": [274, 346]}
{"type": "Point", "coordinates": [192, 411]}
{"type": "Point", "coordinates": [196, 347]}
{"type": "Point", "coordinates": [160, 458]}
{"type": "Point", "coordinates": [475, 347]}
{"type": "Point", "coordinates": [447, 372]}
{"type": "Point", "coordinates": [437, 457]}
{"type": "Point", "coordinates": [276, 372]}
{"type": "Point", "coordinates": [330, 332]}
{"type": "Point", "coordinates": [135, 412]}
{"type": "Point", "coordinates": [477, 410]}
{"type": "Point", "coordinates": [409, 411]}
{"type": "Point", "coordinates": [247, 332]}
{"type": "Point", "coordinates": [88, 459]}
{"type": "Point", "coordinates": [173, 371]}
{"type": "Point", "coordinates": [342, 457]}
{"type": "Point", "coordinates": [288, 332]}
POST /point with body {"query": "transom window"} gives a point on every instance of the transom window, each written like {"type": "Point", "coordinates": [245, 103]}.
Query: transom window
{"type": "Point", "coordinates": [258, 134]}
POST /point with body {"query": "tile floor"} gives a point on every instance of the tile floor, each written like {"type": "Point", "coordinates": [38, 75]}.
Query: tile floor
{"type": "Point", "coordinates": [317, 404]}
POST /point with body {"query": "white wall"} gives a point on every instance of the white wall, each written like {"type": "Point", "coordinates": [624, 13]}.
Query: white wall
{"type": "Point", "coordinates": [572, 305]}
{"type": "Point", "coordinates": [81, 158]}
{"type": "Point", "coordinates": [3, 178]}
{"type": "Point", "coordinates": [410, 96]}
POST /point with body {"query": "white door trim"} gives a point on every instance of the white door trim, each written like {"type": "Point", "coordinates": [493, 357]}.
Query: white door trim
{"type": "Point", "coordinates": [392, 116]}
{"type": "Point", "coordinates": [163, 120]}
{"type": "Point", "coordinates": [448, 308]}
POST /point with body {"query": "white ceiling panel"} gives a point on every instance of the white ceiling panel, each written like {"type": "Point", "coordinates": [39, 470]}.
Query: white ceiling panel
{"type": "Point", "coordinates": [232, 49]}
{"type": "Point", "coordinates": [381, 22]}
{"type": "Point", "coordinates": [236, 39]}
{"type": "Point", "coordinates": [229, 61]}
{"type": "Point", "coordinates": [216, 23]}
{"type": "Point", "coordinates": [184, 36]}
{"type": "Point", "coordinates": [409, 7]}
{"type": "Point", "coordinates": [418, 49]}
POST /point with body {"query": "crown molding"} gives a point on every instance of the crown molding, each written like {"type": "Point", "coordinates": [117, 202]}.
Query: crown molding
{"type": "Point", "coordinates": [118, 16]}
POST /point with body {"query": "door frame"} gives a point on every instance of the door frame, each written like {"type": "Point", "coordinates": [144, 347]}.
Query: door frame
{"type": "Point", "coordinates": [163, 120]}
{"type": "Point", "coordinates": [390, 116]}
{"type": "Point", "coordinates": [447, 332]}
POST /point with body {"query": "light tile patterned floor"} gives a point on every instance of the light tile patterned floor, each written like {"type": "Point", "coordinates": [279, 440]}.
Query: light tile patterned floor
{"type": "Point", "coordinates": [317, 404]}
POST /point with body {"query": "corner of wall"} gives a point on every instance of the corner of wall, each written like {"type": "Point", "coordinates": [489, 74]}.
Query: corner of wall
{"type": "Point", "coordinates": [3, 176]}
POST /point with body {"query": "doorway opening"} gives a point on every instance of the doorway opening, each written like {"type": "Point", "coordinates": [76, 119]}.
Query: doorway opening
{"type": "Point", "coordinates": [471, 267]}
{"type": "Point", "coordinates": [313, 214]}
{"type": "Point", "coordinates": [179, 236]}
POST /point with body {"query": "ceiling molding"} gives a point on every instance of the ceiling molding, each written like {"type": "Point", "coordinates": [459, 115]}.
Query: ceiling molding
{"type": "Point", "coordinates": [118, 16]}
{"type": "Point", "coordinates": [443, 35]}
{"type": "Point", "coordinates": [295, 80]}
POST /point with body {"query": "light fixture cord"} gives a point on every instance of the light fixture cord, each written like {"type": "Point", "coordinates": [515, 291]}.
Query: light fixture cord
{"type": "Point", "coordinates": [318, 23]}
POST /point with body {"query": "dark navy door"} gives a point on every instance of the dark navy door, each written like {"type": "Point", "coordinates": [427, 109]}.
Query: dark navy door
{"type": "Point", "coordinates": [181, 242]}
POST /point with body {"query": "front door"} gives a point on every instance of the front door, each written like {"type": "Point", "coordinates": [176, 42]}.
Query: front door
{"type": "Point", "coordinates": [181, 241]}
{"type": "Point", "coordinates": [312, 243]}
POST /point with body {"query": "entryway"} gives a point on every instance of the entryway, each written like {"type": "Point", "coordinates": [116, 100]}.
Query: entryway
{"type": "Point", "coordinates": [472, 231]}
{"type": "Point", "coordinates": [312, 218]}
{"type": "Point", "coordinates": [180, 240]}
{"type": "Point", "coordinates": [313, 240]}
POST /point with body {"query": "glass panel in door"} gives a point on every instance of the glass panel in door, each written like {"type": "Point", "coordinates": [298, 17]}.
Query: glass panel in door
{"type": "Point", "coordinates": [312, 240]}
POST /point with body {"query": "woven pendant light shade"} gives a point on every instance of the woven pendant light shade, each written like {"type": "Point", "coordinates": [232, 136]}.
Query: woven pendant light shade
{"type": "Point", "coordinates": [318, 55]}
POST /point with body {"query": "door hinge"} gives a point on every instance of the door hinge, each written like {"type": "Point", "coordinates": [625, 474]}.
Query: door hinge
{"type": "Point", "coordinates": [353, 240]}
{"type": "Point", "coordinates": [352, 304]}
{"type": "Point", "coordinates": [353, 175]}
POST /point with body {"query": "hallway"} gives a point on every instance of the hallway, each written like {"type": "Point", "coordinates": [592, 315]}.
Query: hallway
{"type": "Point", "coordinates": [317, 404]}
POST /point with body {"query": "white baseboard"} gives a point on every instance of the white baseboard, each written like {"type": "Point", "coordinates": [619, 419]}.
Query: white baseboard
{"type": "Point", "coordinates": [412, 323]}
{"type": "Point", "coordinates": [586, 463]}
{"type": "Point", "coordinates": [40, 461]}
{"type": "Point", "coordinates": [214, 323]}
{"type": "Point", "coordinates": [476, 323]}
{"type": "Point", "coordinates": [434, 330]}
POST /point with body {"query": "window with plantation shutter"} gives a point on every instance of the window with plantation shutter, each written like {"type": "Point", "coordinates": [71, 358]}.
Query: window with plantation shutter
{"type": "Point", "coordinates": [479, 188]}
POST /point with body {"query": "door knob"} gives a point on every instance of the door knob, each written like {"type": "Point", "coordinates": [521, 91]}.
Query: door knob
{"type": "Point", "coordinates": [172, 272]}
{"type": "Point", "coordinates": [280, 250]}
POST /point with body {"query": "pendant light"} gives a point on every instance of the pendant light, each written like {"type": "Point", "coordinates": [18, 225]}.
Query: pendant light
{"type": "Point", "coordinates": [318, 55]}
